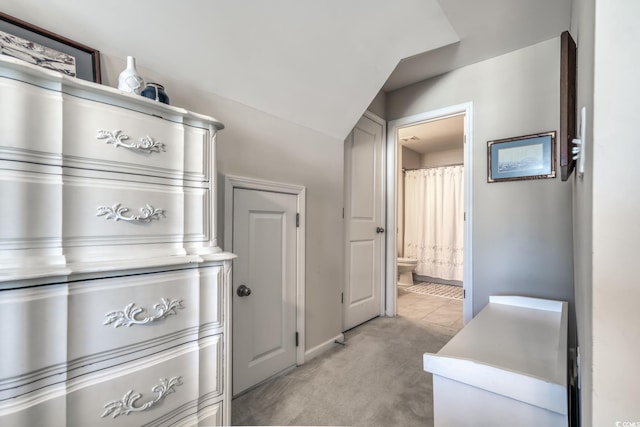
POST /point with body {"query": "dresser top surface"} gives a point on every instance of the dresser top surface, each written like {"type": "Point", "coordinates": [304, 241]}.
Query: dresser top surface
{"type": "Point", "coordinates": [16, 69]}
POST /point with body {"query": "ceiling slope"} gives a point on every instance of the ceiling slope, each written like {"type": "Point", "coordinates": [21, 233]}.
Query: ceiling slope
{"type": "Point", "coordinates": [315, 63]}
{"type": "Point", "coordinates": [486, 29]}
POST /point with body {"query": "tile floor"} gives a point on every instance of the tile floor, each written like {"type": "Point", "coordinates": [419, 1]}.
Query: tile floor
{"type": "Point", "coordinates": [443, 313]}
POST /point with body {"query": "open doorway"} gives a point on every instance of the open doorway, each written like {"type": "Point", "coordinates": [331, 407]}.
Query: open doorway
{"type": "Point", "coordinates": [430, 253]}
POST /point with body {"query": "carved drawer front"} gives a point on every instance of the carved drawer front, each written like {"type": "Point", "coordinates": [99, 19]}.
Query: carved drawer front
{"type": "Point", "coordinates": [29, 104]}
{"type": "Point", "coordinates": [37, 358]}
{"type": "Point", "coordinates": [42, 212]}
{"type": "Point", "coordinates": [116, 317]}
{"type": "Point", "coordinates": [99, 212]}
{"type": "Point", "coordinates": [210, 416]}
{"type": "Point", "coordinates": [159, 390]}
{"type": "Point", "coordinates": [30, 216]}
{"type": "Point", "coordinates": [105, 137]}
{"type": "Point", "coordinates": [212, 283]}
{"type": "Point", "coordinates": [49, 413]}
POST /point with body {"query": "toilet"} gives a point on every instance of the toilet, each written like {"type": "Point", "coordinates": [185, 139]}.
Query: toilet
{"type": "Point", "coordinates": [405, 271]}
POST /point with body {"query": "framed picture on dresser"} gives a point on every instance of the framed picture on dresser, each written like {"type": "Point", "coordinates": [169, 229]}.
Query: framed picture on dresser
{"type": "Point", "coordinates": [40, 47]}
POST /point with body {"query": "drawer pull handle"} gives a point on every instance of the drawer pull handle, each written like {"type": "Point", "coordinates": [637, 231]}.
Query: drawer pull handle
{"type": "Point", "coordinates": [126, 405]}
{"type": "Point", "coordinates": [146, 145]}
{"type": "Point", "coordinates": [117, 211]}
{"type": "Point", "coordinates": [127, 317]}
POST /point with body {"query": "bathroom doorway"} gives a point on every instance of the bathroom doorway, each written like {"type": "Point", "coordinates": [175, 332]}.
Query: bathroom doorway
{"type": "Point", "coordinates": [429, 172]}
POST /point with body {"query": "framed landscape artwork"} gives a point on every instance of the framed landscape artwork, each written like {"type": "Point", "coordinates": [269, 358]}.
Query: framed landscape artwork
{"type": "Point", "coordinates": [522, 157]}
{"type": "Point", "coordinates": [45, 49]}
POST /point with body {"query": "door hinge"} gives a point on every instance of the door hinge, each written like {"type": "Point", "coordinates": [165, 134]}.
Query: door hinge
{"type": "Point", "coordinates": [297, 339]}
{"type": "Point", "coordinates": [465, 216]}
{"type": "Point", "coordinates": [342, 298]}
{"type": "Point", "coordinates": [464, 293]}
{"type": "Point", "coordinates": [342, 213]}
{"type": "Point", "coordinates": [297, 220]}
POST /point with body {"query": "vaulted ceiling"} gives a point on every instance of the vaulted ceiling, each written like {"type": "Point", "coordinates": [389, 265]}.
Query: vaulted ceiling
{"type": "Point", "coordinates": [314, 63]}
{"type": "Point", "coordinates": [486, 29]}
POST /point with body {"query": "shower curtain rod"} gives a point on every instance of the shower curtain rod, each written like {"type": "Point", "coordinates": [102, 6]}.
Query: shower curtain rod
{"type": "Point", "coordinates": [432, 167]}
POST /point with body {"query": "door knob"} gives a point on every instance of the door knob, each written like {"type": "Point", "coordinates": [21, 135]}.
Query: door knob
{"type": "Point", "coordinates": [379, 230]}
{"type": "Point", "coordinates": [243, 291]}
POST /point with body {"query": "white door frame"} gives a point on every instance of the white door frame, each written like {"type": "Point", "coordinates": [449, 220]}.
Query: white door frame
{"type": "Point", "coordinates": [392, 200]}
{"type": "Point", "coordinates": [232, 182]}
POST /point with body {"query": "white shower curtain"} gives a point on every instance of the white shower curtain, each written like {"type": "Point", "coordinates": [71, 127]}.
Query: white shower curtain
{"type": "Point", "coordinates": [434, 221]}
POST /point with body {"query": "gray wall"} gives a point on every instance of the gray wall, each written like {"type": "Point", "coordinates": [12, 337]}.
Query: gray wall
{"type": "Point", "coordinates": [256, 144]}
{"type": "Point", "coordinates": [522, 231]}
{"type": "Point", "coordinates": [410, 159]}
{"type": "Point", "coordinates": [379, 105]}
{"type": "Point", "coordinates": [453, 156]}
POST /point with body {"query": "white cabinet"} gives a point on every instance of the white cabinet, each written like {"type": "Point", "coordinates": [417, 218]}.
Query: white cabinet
{"type": "Point", "coordinates": [507, 367]}
{"type": "Point", "coordinates": [114, 294]}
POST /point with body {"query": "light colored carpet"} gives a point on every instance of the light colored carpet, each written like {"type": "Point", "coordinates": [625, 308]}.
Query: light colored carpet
{"type": "Point", "coordinates": [435, 289]}
{"type": "Point", "coordinates": [376, 379]}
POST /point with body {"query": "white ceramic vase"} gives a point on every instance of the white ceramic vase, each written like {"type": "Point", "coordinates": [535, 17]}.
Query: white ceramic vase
{"type": "Point", "coordinates": [129, 79]}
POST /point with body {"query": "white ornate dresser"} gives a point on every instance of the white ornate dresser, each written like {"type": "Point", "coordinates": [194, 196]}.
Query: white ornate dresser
{"type": "Point", "coordinates": [114, 296]}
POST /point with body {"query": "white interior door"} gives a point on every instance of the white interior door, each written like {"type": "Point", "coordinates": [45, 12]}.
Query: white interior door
{"type": "Point", "coordinates": [364, 215]}
{"type": "Point", "coordinates": [264, 285]}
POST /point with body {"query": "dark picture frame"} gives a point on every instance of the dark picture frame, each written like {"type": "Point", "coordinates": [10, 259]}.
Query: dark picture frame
{"type": "Point", "coordinates": [567, 130]}
{"type": "Point", "coordinates": [87, 59]}
{"type": "Point", "coordinates": [523, 157]}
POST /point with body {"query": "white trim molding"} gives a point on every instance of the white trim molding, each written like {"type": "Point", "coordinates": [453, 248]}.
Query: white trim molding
{"type": "Point", "coordinates": [465, 109]}
{"type": "Point", "coordinates": [322, 347]}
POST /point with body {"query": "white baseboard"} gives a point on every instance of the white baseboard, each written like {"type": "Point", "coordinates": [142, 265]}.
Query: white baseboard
{"type": "Point", "coordinates": [319, 349]}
